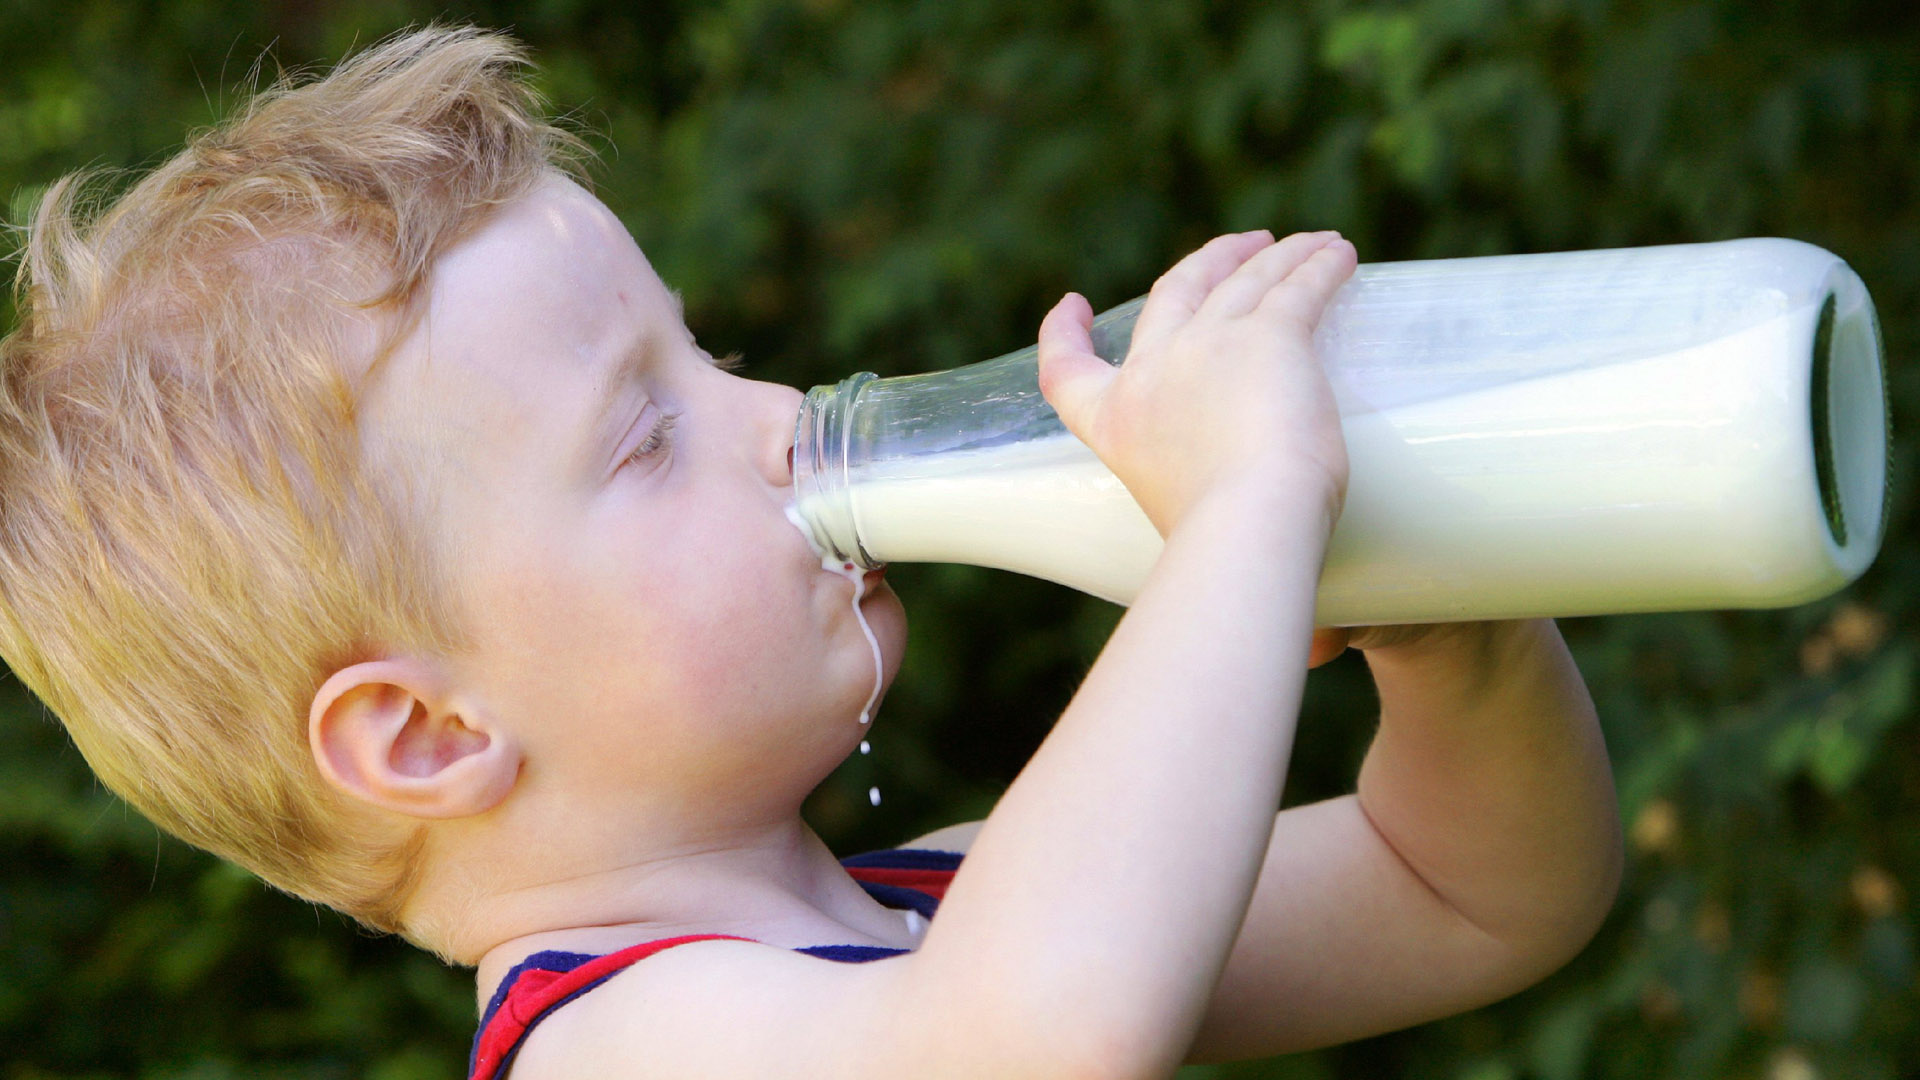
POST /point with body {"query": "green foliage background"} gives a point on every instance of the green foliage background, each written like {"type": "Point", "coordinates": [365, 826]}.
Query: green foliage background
{"type": "Point", "coordinates": [903, 185]}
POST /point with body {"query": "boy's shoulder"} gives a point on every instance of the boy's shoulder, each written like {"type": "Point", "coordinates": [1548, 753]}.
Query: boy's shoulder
{"type": "Point", "coordinates": [732, 1007]}
{"type": "Point", "coordinates": [719, 1008]}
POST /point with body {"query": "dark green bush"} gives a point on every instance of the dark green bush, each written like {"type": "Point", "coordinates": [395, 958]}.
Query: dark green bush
{"type": "Point", "coordinates": [907, 186]}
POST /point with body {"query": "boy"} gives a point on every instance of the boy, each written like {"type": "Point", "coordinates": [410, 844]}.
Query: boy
{"type": "Point", "coordinates": [373, 520]}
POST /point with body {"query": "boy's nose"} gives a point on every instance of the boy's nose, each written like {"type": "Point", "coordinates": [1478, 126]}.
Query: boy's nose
{"type": "Point", "coordinates": [778, 411]}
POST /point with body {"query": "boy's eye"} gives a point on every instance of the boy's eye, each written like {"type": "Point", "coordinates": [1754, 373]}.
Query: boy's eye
{"type": "Point", "coordinates": [656, 440]}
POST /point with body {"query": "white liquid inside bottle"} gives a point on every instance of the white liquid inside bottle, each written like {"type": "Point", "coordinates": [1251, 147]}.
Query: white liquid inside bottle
{"type": "Point", "coordinates": [1680, 443]}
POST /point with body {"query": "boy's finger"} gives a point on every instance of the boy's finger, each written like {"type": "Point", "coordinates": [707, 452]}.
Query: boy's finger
{"type": "Point", "coordinates": [1181, 290]}
{"type": "Point", "coordinates": [1327, 644]}
{"type": "Point", "coordinates": [1243, 290]}
{"type": "Point", "coordinates": [1303, 296]}
{"type": "Point", "coordinates": [1068, 328]}
{"type": "Point", "coordinates": [1071, 376]}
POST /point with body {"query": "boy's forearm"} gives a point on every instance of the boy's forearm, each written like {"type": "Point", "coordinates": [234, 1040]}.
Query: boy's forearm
{"type": "Point", "coordinates": [1489, 777]}
{"type": "Point", "coordinates": [1102, 896]}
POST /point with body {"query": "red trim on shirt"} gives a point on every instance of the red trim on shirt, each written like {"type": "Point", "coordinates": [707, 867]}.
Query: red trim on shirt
{"type": "Point", "coordinates": [534, 992]}
{"type": "Point", "coordinates": [932, 882]}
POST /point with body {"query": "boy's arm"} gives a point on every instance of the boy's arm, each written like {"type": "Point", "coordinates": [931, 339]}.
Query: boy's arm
{"type": "Point", "coordinates": [1098, 904]}
{"type": "Point", "coordinates": [1101, 898]}
{"type": "Point", "coordinates": [1481, 852]}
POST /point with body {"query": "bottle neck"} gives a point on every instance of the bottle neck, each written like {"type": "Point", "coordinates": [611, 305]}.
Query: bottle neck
{"type": "Point", "coordinates": [866, 430]}
{"type": "Point", "coordinates": [822, 438]}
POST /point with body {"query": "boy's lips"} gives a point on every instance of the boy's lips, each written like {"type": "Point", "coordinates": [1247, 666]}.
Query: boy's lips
{"type": "Point", "coordinates": [871, 581]}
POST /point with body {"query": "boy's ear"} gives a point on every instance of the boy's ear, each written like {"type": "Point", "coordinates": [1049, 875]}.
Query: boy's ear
{"type": "Point", "coordinates": [386, 733]}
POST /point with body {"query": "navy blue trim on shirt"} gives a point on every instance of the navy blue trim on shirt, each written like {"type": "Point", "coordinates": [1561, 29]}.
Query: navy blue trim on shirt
{"type": "Point", "coordinates": [899, 896]}
{"type": "Point", "coordinates": [852, 954]}
{"type": "Point", "coordinates": [561, 962]}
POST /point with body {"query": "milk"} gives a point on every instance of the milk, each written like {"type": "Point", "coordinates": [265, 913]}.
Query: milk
{"type": "Point", "coordinates": [1674, 481]}
{"type": "Point", "coordinates": [853, 575]}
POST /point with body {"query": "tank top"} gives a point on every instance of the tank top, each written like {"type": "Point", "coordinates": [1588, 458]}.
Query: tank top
{"type": "Point", "coordinates": [906, 879]}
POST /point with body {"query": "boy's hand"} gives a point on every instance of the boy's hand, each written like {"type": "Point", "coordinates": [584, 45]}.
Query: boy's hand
{"type": "Point", "coordinates": [1220, 386]}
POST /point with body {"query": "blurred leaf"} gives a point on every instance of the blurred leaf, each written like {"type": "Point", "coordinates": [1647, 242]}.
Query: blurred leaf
{"type": "Point", "coordinates": [1558, 1047]}
{"type": "Point", "coordinates": [1656, 768]}
{"type": "Point", "coordinates": [1824, 1000]}
{"type": "Point", "coordinates": [908, 186]}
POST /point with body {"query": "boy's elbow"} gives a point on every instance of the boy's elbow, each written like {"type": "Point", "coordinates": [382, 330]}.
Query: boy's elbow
{"type": "Point", "coordinates": [1613, 870]}
{"type": "Point", "coordinates": [1585, 919]}
{"type": "Point", "coordinates": [1559, 930]}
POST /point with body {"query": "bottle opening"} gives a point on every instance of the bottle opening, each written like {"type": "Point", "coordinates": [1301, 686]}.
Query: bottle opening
{"type": "Point", "coordinates": [1823, 427]}
{"type": "Point", "coordinates": [1850, 426]}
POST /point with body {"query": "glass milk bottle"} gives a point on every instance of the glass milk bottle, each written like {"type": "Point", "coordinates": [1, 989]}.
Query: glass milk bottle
{"type": "Point", "coordinates": [1650, 429]}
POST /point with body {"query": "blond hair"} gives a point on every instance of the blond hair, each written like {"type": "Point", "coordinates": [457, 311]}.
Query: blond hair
{"type": "Point", "coordinates": [192, 537]}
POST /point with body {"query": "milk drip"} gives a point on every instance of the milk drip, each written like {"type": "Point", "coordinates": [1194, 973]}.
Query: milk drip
{"type": "Point", "coordinates": [1654, 429]}
{"type": "Point", "coordinates": [852, 574]}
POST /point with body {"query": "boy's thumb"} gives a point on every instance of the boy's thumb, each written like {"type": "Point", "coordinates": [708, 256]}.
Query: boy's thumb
{"type": "Point", "coordinates": [1072, 378]}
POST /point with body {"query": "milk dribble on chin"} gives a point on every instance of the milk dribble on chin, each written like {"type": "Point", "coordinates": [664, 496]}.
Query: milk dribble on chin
{"type": "Point", "coordinates": [853, 574]}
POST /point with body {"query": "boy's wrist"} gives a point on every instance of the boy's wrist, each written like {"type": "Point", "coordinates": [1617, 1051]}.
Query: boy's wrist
{"type": "Point", "coordinates": [1257, 497]}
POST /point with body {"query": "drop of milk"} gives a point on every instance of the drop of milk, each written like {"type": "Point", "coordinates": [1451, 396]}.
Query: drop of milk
{"type": "Point", "coordinates": [866, 747]}
{"type": "Point", "coordinates": [873, 795]}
